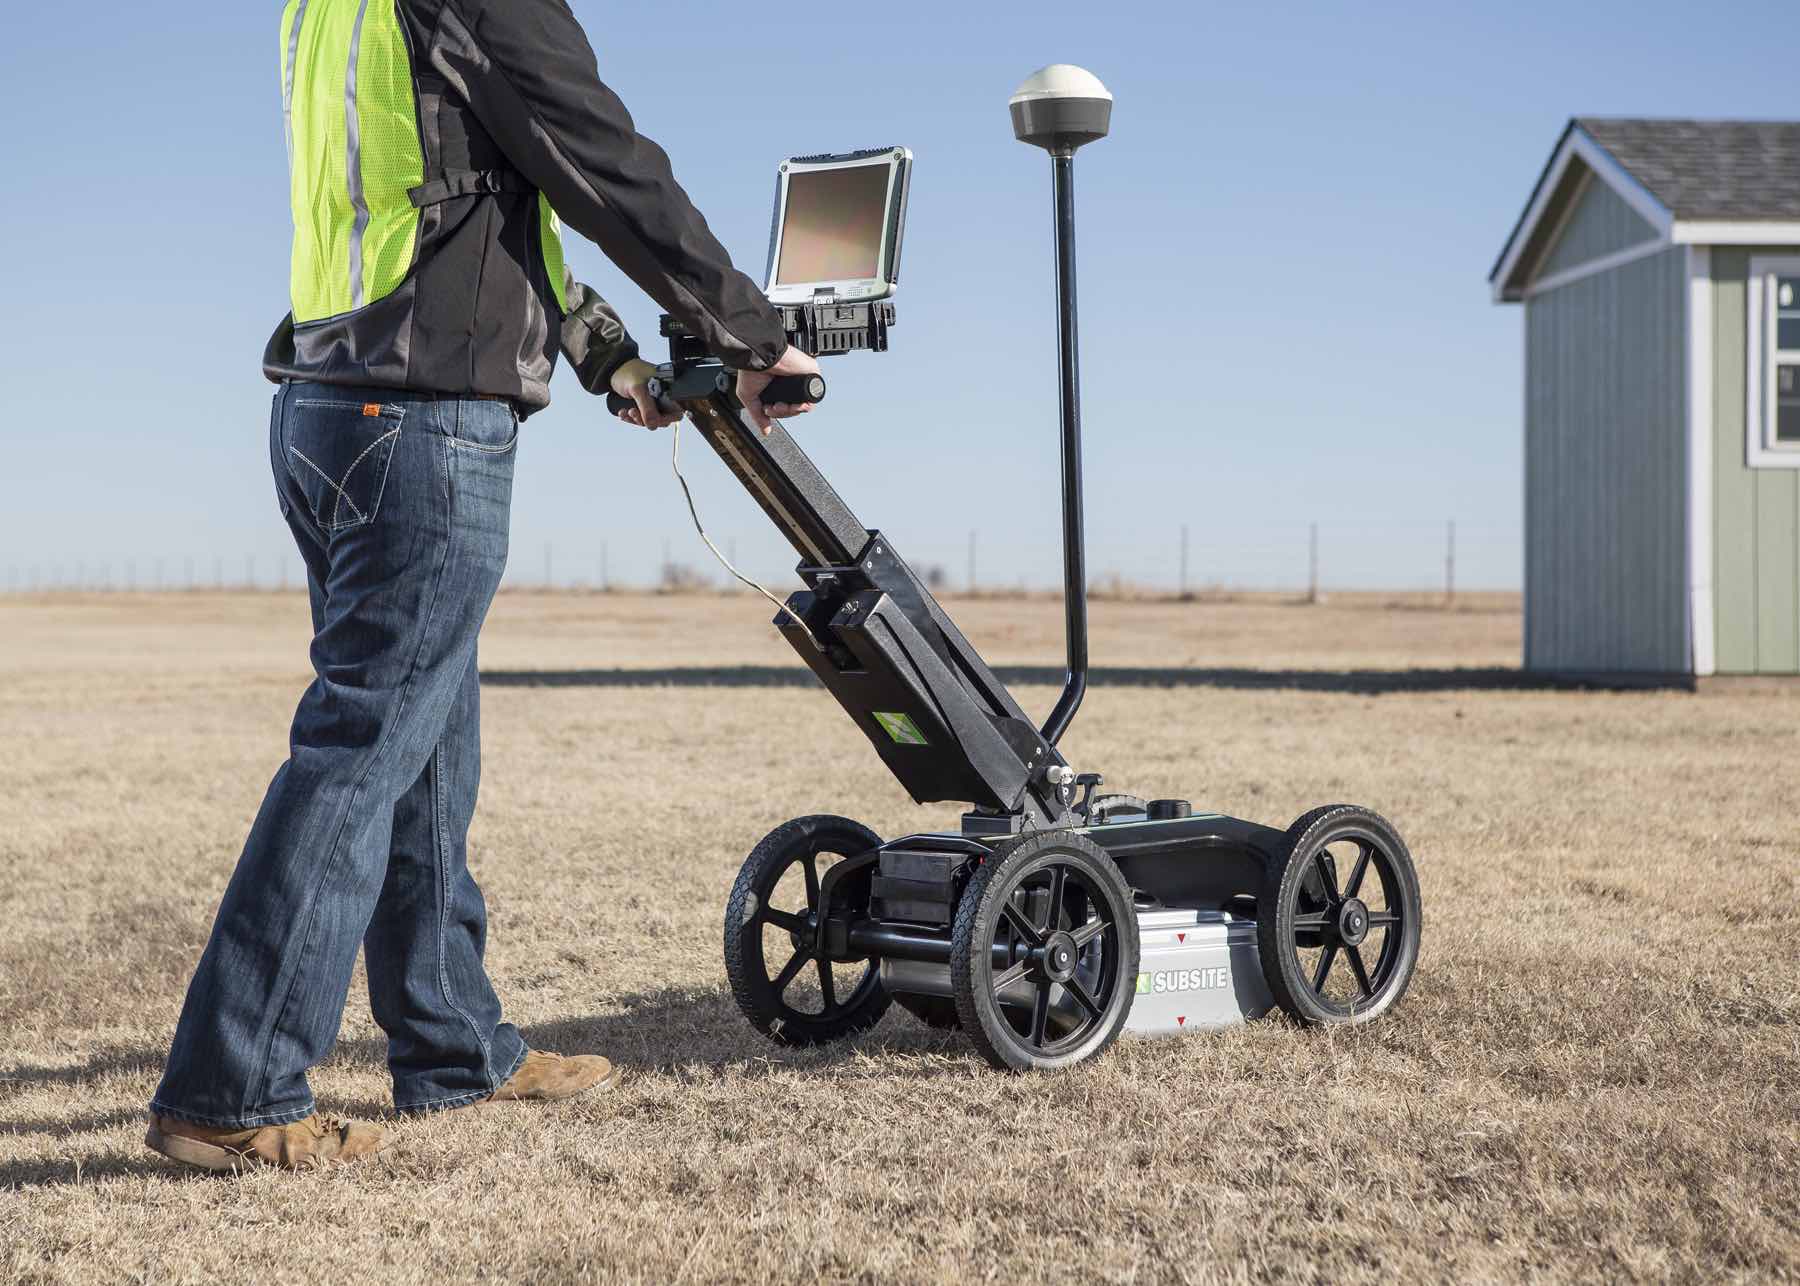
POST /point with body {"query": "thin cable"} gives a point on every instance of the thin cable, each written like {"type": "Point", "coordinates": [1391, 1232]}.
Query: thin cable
{"type": "Point", "coordinates": [675, 464]}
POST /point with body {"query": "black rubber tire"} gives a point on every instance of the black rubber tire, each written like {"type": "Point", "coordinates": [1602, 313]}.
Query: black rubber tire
{"type": "Point", "coordinates": [1296, 879]}
{"type": "Point", "coordinates": [752, 984]}
{"type": "Point", "coordinates": [933, 1011]}
{"type": "Point", "coordinates": [973, 935]}
{"type": "Point", "coordinates": [1104, 805]}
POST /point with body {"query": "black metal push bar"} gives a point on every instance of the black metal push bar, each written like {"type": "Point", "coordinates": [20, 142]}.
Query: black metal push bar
{"type": "Point", "coordinates": [866, 624]}
{"type": "Point", "coordinates": [783, 390]}
{"type": "Point", "coordinates": [875, 636]}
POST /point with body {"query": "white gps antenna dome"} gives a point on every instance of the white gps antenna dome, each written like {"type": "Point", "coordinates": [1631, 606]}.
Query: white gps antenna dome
{"type": "Point", "coordinates": [1061, 108]}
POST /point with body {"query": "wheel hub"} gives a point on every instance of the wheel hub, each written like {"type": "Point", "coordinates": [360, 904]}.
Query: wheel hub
{"type": "Point", "coordinates": [1353, 922]}
{"type": "Point", "coordinates": [1060, 956]}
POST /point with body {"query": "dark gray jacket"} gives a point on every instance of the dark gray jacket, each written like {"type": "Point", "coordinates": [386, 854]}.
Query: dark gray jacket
{"type": "Point", "coordinates": [510, 104]}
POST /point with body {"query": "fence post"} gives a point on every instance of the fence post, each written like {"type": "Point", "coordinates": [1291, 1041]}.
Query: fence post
{"type": "Point", "coordinates": [971, 561]}
{"type": "Point", "coordinates": [1312, 574]}
{"type": "Point", "coordinates": [1184, 561]}
{"type": "Point", "coordinates": [1450, 566]}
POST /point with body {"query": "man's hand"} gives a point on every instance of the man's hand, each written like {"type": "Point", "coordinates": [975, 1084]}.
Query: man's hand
{"type": "Point", "coordinates": [750, 385]}
{"type": "Point", "coordinates": [632, 380]}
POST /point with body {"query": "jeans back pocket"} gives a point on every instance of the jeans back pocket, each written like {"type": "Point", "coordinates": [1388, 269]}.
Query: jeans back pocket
{"type": "Point", "coordinates": [338, 455]}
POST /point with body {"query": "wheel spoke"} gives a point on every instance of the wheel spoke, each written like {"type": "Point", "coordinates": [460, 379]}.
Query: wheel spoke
{"type": "Point", "coordinates": [1362, 974]}
{"type": "Point", "coordinates": [1383, 919]}
{"type": "Point", "coordinates": [1004, 980]}
{"type": "Point", "coordinates": [1327, 875]}
{"type": "Point", "coordinates": [1078, 989]}
{"type": "Point", "coordinates": [1021, 925]}
{"type": "Point", "coordinates": [790, 971]}
{"type": "Point", "coordinates": [783, 920]}
{"type": "Point", "coordinates": [1361, 868]}
{"type": "Point", "coordinates": [1088, 932]}
{"type": "Point", "coordinates": [810, 862]}
{"type": "Point", "coordinates": [1040, 1014]}
{"type": "Point", "coordinates": [1053, 912]}
{"type": "Point", "coordinates": [1324, 969]}
{"type": "Point", "coordinates": [1312, 922]}
{"type": "Point", "coordinates": [825, 988]}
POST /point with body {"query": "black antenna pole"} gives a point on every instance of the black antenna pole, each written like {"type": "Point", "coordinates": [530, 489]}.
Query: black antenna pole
{"type": "Point", "coordinates": [1062, 165]}
{"type": "Point", "coordinates": [1062, 108]}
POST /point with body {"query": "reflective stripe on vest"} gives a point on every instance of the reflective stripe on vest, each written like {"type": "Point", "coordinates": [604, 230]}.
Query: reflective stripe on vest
{"type": "Point", "coordinates": [550, 235]}
{"type": "Point", "coordinates": [354, 153]}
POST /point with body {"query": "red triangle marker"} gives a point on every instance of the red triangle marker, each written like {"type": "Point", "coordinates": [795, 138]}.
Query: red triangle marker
{"type": "Point", "coordinates": [1181, 1021]}
{"type": "Point", "coordinates": [1181, 937]}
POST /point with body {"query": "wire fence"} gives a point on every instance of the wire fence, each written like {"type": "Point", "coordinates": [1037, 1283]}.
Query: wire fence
{"type": "Point", "coordinates": [1309, 558]}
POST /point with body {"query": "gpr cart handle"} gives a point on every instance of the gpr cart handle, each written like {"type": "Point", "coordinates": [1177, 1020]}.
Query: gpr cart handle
{"type": "Point", "coordinates": [790, 390]}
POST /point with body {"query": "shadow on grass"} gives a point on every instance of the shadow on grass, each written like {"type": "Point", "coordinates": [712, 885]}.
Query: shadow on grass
{"type": "Point", "coordinates": [106, 1061]}
{"type": "Point", "coordinates": [68, 1172]}
{"type": "Point", "coordinates": [662, 1031]}
{"type": "Point", "coordinates": [678, 1028]}
{"type": "Point", "coordinates": [1358, 682]}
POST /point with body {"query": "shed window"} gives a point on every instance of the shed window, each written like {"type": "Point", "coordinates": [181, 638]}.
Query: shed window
{"type": "Point", "coordinates": [1786, 361]}
{"type": "Point", "coordinates": [1774, 362]}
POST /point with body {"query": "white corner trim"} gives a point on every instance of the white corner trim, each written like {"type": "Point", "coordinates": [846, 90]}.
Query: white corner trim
{"type": "Point", "coordinates": [1759, 374]}
{"type": "Point", "coordinates": [1594, 267]}
{"type": "Point", "coordinates": [1722, 233]}
{"type": "Point", "coordinates": [1701, 634]}
{"type": "Point", "coordinates": [1577, 143]}
{"type": "Point", "coordinates": [1525, 475]}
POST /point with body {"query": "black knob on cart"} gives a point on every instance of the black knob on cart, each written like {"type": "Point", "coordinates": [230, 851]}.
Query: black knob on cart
{"type": "Point", "coordinates": [1167, 810]}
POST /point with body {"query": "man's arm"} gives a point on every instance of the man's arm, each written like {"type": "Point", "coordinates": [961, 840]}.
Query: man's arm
{"type": "Point", "coordinates": [605, 357]}
{"type": "Point", "coordinates": [528, 73]}
{"type": "Point", "coordinates": [594, 339]}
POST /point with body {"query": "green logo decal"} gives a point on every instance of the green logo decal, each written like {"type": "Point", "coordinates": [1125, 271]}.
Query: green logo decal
{"type": "Point", "coordinates": [900, 727]}
{"type": "Point", "coordinates": [1143, 984]}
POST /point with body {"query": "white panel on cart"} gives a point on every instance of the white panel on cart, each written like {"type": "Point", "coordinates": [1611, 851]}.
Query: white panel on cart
{"type": "Point", "coordinates": [1197, 969]}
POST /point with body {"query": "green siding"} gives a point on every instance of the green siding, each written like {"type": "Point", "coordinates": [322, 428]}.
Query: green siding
{"type": "Point", "coordinates": [1756, 512]}
{"type": "Point", "coordinates": [1606, 471]}
{"type": "Point", "coordinates": [1600, 224]}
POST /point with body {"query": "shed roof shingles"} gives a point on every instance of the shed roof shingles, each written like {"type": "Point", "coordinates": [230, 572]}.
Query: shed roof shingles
{"type": "Point", "coordinates": [1712, 170]}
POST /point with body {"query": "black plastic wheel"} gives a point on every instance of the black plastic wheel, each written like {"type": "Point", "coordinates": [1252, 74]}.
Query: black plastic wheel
{"type": "Point", "coordinates": [769, 918]}
{"type": "Point", "coordinates": [1044, 953]}
{"type": "Point", "coordinates": [933, 1011]}
{"type": "Point", "coordinates": [1339, 930]}
{"type": "Point", "coordinates": [1106, 807]}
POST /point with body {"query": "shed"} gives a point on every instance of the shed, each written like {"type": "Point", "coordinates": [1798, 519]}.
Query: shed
{"type": "Point", "coordinates": [1658, 265]}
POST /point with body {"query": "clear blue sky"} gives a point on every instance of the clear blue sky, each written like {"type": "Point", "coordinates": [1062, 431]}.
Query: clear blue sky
{"type": "Point", "coordinates": [1284, 247]}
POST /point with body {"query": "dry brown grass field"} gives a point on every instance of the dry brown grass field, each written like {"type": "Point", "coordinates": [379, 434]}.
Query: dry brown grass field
{"type": "Point", "coordinates": [1595, 1076]}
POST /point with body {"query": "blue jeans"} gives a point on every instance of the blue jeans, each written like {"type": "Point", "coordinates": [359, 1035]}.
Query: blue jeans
{"type": "Point", "coordinates": [400, 506]}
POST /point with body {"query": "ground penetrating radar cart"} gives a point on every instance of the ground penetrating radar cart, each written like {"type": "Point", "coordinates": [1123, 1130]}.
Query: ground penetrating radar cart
{"type": "Point", "coordinates": [1057, 916]}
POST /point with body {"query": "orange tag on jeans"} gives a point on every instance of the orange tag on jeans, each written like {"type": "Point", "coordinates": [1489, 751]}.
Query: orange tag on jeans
{"type": "Point", "coordinates": [371, 410]}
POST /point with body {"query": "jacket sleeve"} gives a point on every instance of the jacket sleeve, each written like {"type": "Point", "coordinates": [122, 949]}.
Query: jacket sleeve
{"type": "Point", "coordinates": [529, 75]}
{"type": "Point", "coordinates": [593, 338]}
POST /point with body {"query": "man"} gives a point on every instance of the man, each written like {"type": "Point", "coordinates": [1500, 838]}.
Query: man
{"type": "Point", "coordinates": [432, 145]}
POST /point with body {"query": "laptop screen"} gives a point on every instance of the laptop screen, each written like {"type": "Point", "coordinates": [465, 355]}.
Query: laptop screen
{"type": "Point", "coordinates": [833, 225]}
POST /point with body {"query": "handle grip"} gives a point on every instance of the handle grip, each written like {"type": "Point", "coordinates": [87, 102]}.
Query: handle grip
{"type": "Point", "coordinates": [615, 403]}
{"type": "Point", "coordinates": [783, 390]}
{"type": "Point", "coordinates": [792, 390]}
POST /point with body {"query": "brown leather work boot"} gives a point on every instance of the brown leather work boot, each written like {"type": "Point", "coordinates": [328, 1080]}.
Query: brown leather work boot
{"type": "Point", "coordinates": [316, 1141]}
{"type": "Point", "coordinates": [551, 1078]}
